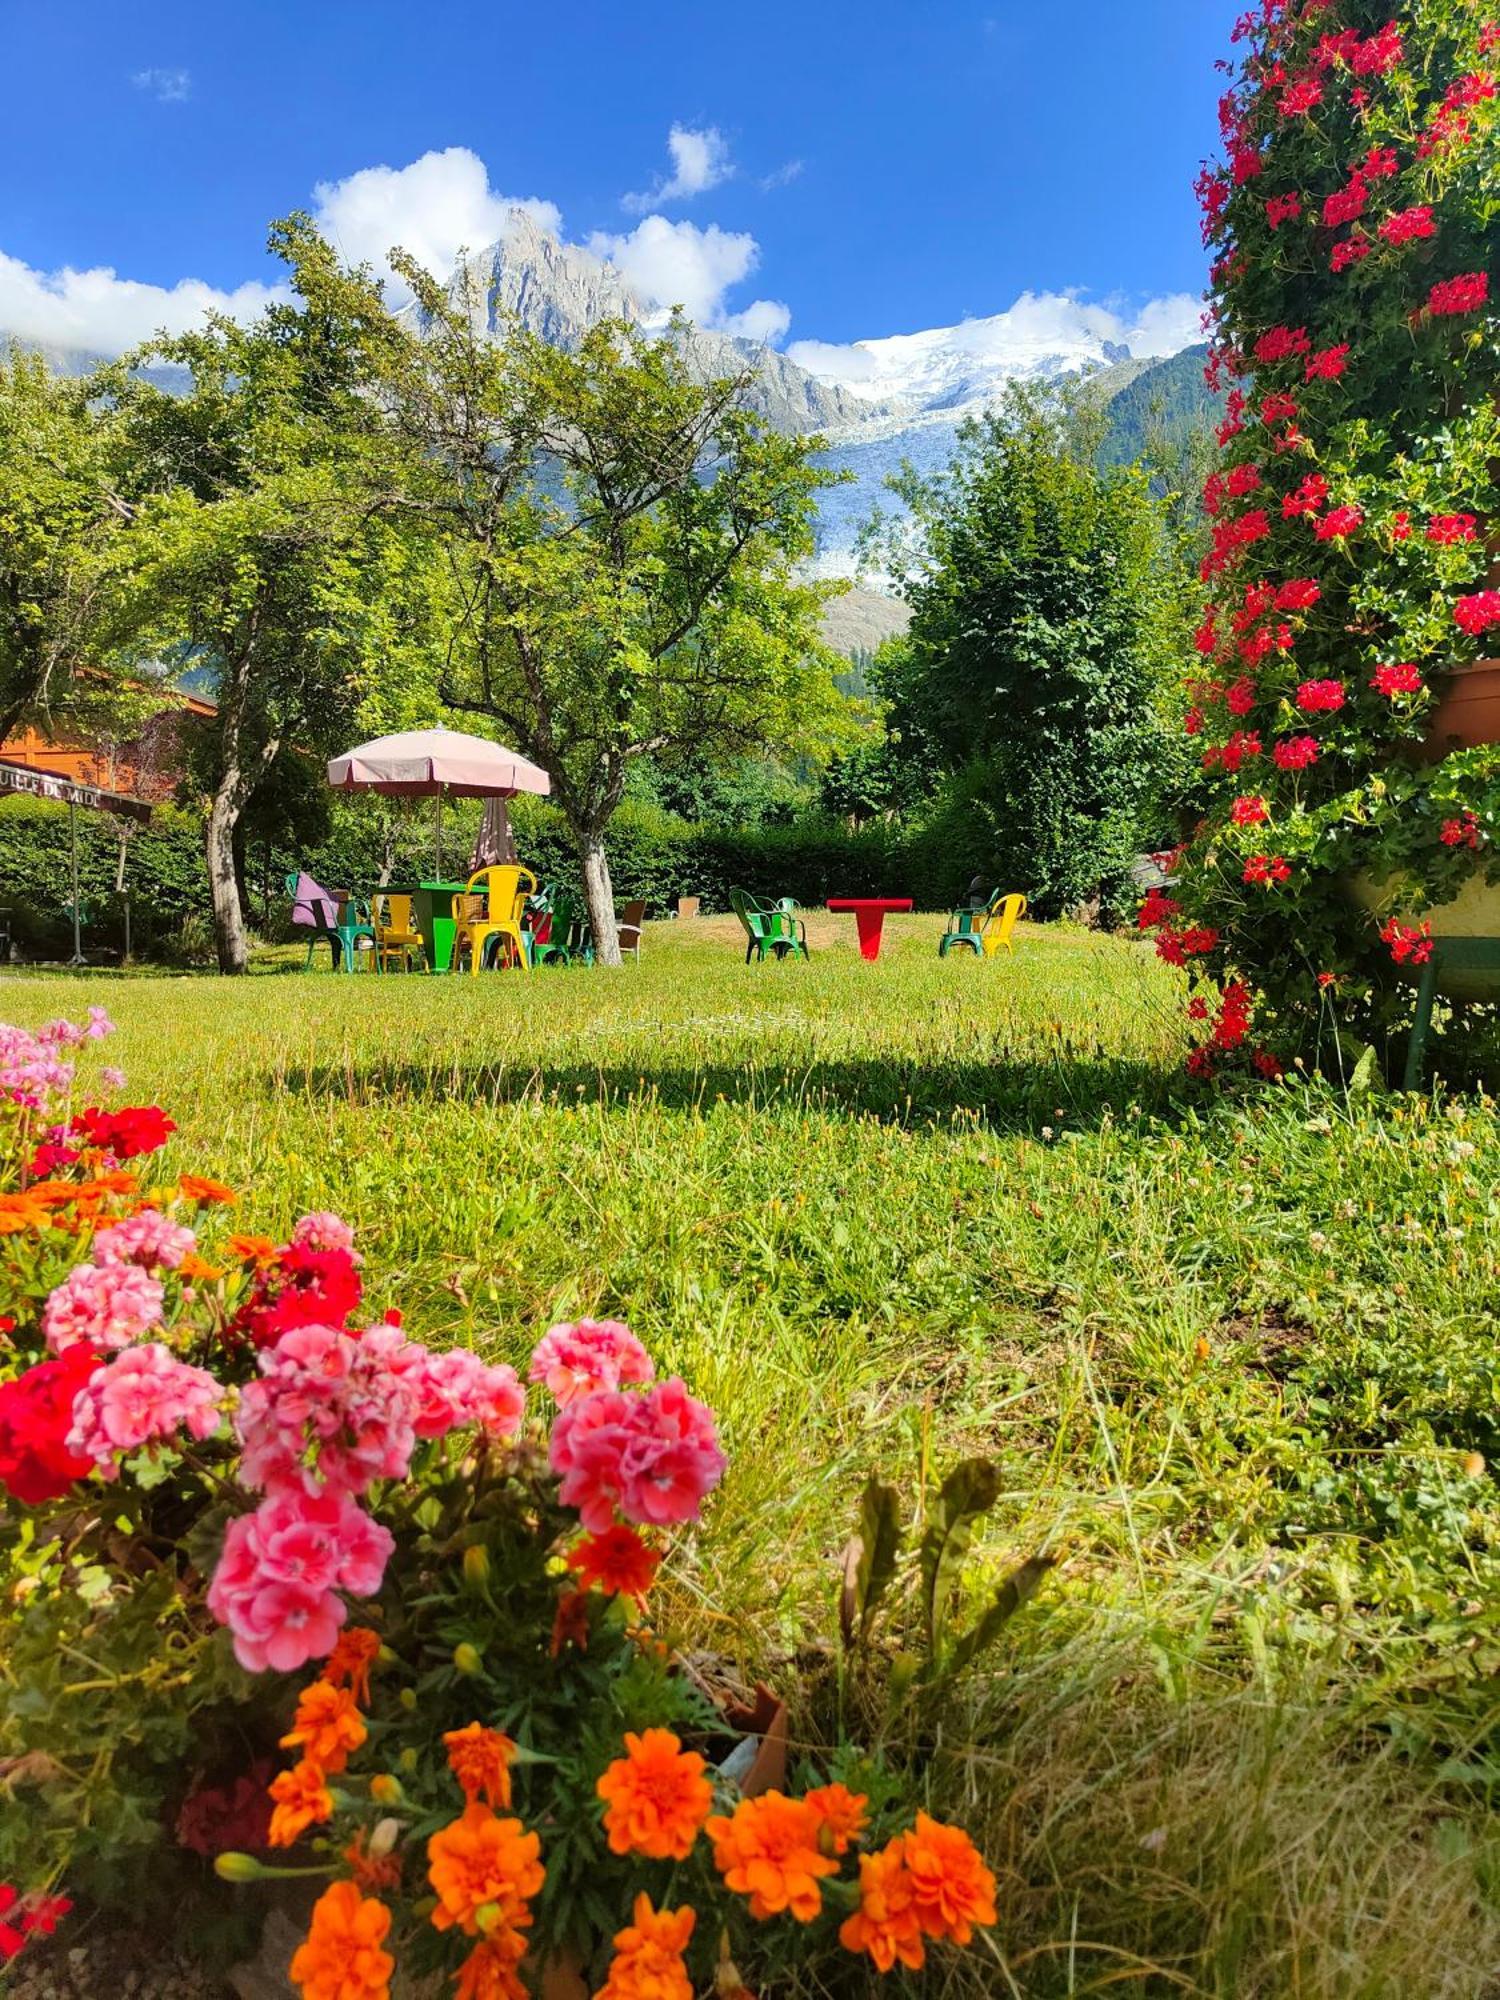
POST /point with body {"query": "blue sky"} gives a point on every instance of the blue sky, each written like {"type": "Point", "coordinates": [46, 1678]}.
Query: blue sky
{"type": "Point", "coordinates": [839, 170]}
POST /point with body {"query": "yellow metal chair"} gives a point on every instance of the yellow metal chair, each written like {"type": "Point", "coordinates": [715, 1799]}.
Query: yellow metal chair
{"type": "Point", "coordinates": [504, 892]}
{"type": "Point", "coordinates": [1000, 919]}
{"type": "Point", "coordinates": [397, 939]}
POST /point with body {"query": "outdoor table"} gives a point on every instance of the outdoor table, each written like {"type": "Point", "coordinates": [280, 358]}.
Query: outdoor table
{"type": "Point", "coordinates": [869, 917]}
{"type": "Point", "coordinates": [432, 913]}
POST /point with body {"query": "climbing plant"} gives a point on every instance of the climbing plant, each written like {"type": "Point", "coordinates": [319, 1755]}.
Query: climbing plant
{"type": "Point", "coordinates": [1350, 572]}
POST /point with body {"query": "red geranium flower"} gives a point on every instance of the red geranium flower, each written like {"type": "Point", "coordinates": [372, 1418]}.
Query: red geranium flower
{"type": "Point", "coordinates": [1283, 208]}
{"type": "Point", "coordinates": [1249, 811]}
{"type": "Point", "coordinates": [1464, 294]}
{"type": "Point", "coordinates": [1280, 342]}
{"type": "Point", "coordinates": [1316, 696]}
{"type": "Point", "coordinates": [1409, 945]}
{"type": "Point", "coordinates": [1309, 497]}
{"type": "Point", "coordinates": [1445, 529]}
{"type": "Point", "coordinates": [1301, 97]}
{"type": "Point", "coordinates": [1345, 203]}
{"type": "Point", "coordinates": [36, 1414]}
{"type": "Point", "coordinates": [1478, 613]}
{"type": "Point", "coordinates": [1263, 871]}
{"type": "Point", "coordinates": [1460, 832]}
{"type": "Point", "coordinates": [1409, 225]}
{"type": "Point", "coordinates": [1352, 250]}
{"type": "Point", "coordinates": [1402, 678]}
{"type": "Point", "coordinates": [1295, 753]}
{"type": "Point", "coordinates": [1337, 523]}
{"type": "Point", "coordinates": [1327, 364]}
{"type": "Point", "coordinates": [1298, 594]}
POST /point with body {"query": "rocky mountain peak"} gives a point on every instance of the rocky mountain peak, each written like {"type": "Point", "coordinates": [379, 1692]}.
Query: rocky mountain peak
{"type": "Point", "coordinates": [558, 290]}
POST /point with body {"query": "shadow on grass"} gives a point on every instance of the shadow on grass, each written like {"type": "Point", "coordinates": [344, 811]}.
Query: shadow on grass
{"type": "Point", "coordinates": [1020, 1093]}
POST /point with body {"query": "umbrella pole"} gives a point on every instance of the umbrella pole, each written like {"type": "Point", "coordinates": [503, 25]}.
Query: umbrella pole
{"type": "Point", "coordinates": [437, 835]}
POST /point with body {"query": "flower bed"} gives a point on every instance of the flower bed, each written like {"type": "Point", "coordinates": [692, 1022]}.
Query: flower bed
{"type": "Point", "coordinates": [1352, 518]}
{"type": "Point", "coordinates": [239, 1520]}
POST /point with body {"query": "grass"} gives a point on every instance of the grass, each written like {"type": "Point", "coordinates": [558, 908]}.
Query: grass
{"type": "Point", "coordinates": [1236, 1364]}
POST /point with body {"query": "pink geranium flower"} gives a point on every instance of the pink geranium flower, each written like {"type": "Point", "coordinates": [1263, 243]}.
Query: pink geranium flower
{"type": "Point", "coordinates": [109, 1305]}
{"type": "Point", "coordinates": [458, 1388]}
{"type": "Point", "coordinates": [144, 1396]}
{"type": "Point", "coordinates": [148, 1239]}
{"type": "Point", "coordinates": [576, 1359]}
{"type": "Point", "coordinates": [652, 1458]}
{"type": "Point", "coordinates": [278, 1581]}
{"type": "Point", "coordinates": [324, 1231]}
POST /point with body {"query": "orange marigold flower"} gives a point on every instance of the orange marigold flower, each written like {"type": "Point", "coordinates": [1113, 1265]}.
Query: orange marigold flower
{"type": "Point", "coordinates": [483, 1870]}
{"type": "Point", "coordinates": [617, 1560]}
{"type": "Point", "coordinates": [480, 1759]}
{"type": "Point", "coordinates": [327, 1727]}
{"type": "Point", "coordinates": [301, 1799]}
{"type": "Point", "coordinates": [22, 1213]}
{"type": "Point", "coordinates": [489, 1971]}
{"type": "Point", "coordinates": [840, 1814]}
{"type": "Point", "coordinates": [656, 1797]}
{"type": "Point", "coordinates": [251, 1249]}
{"type": "Point", "coordinates": [648, 1956]}
{"type": "Point", "coordinates": [768, 1850]}
{"type": "Point", "coordinates": [194, 1266]}
{"type": "Point", "coordinates": [885, 1925]}
{"type": "Point", "coordinates": [372, 1870]}
{"type": "Point", "coordinates": [342, 1958]}
{"type": "Point", "coordinates": [199, 1188]}
{"type": "Point", "coordinates": [953, 1889]}
{"type": "Point", "coordinates": [351, 1659]}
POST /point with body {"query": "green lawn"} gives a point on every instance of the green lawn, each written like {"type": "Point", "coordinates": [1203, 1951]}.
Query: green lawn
{"type": "Point", "coordinates": [1237, 1364]}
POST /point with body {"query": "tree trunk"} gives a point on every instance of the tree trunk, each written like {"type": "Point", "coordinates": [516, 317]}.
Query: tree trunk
{"type": "Point", "coordinates": [223, 878]}
{"type": "Point", "coordinates": [599, 895]}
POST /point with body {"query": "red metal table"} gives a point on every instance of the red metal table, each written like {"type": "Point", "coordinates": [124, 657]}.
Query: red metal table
{"type": "Point", "coordinates": [869, 917]}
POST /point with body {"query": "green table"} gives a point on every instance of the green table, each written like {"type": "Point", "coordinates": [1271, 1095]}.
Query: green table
{"type": "Point", "coordinates": [432, 913]}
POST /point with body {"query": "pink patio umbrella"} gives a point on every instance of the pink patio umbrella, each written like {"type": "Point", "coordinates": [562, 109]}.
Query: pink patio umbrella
{"type": "Point", "coordinates": [425, 763]}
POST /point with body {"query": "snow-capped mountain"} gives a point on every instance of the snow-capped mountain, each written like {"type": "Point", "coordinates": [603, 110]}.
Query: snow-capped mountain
{"type": "Point", "coordinates": [948, 371]}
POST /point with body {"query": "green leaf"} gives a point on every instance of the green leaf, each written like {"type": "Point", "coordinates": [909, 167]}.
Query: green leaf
{"type": "Point", "coordinates": [1363, 1078]}
{"type": "Point", "coordinates": [967, 1493]}
{"type": "Point", "coordinates": [870, 1559]}
{"type": "Point", "coordinates": [1019, 1588]}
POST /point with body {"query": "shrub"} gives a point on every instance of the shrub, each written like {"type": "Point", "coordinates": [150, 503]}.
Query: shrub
{"type": "Point", "coordinates": [1353, 221]}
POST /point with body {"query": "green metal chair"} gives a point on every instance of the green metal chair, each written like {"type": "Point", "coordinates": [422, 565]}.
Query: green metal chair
{"type": "Point", "coordinates": [569, 938]}
{"type": "Point", "coordinates": [772, 930]}
{"type": "Point", "coordinates": [985, 930]}
{"type": "Point", "coordinates": [1449, 954]}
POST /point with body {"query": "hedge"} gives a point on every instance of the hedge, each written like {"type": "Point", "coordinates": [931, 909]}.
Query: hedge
{"type": "Point", "coordinates": [652, 854]}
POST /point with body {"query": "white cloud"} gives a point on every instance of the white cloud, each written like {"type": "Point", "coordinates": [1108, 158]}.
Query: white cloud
{"type": "Point", "coordinates": [763, 319]}
{"type": "Point", "coordinates": [781, 176]}
{"type": "Point", "coordinates": [679, 264]}
{"type": "Point", "coordinates": [437, 206]}
{"type": "Point", "coordinates": [167, 86]}
{"type": "Point", "coordinates": [99, 312]}
{"type": "Point", "coordinates": [700, 161]}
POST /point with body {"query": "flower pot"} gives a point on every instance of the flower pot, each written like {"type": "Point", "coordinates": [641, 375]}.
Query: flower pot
{"type": "Point", "coordinates": [1468, 713]}
{"type": "Point", "coordinates": [1473, 912]}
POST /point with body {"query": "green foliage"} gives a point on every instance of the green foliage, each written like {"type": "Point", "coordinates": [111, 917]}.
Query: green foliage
{"type": "Point", "coordinates": [164, 874]}
{"type": "Point", "coordinates": [923, 1598]}
{"type": "Point", "coordinates": [63, 510]}
{"type": "Point", "coordinates": [622, 546]}
{"type": "Point", "coordinates": [1044, 613]}
{"type": "Point", "coordinates": [1398, 422]}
